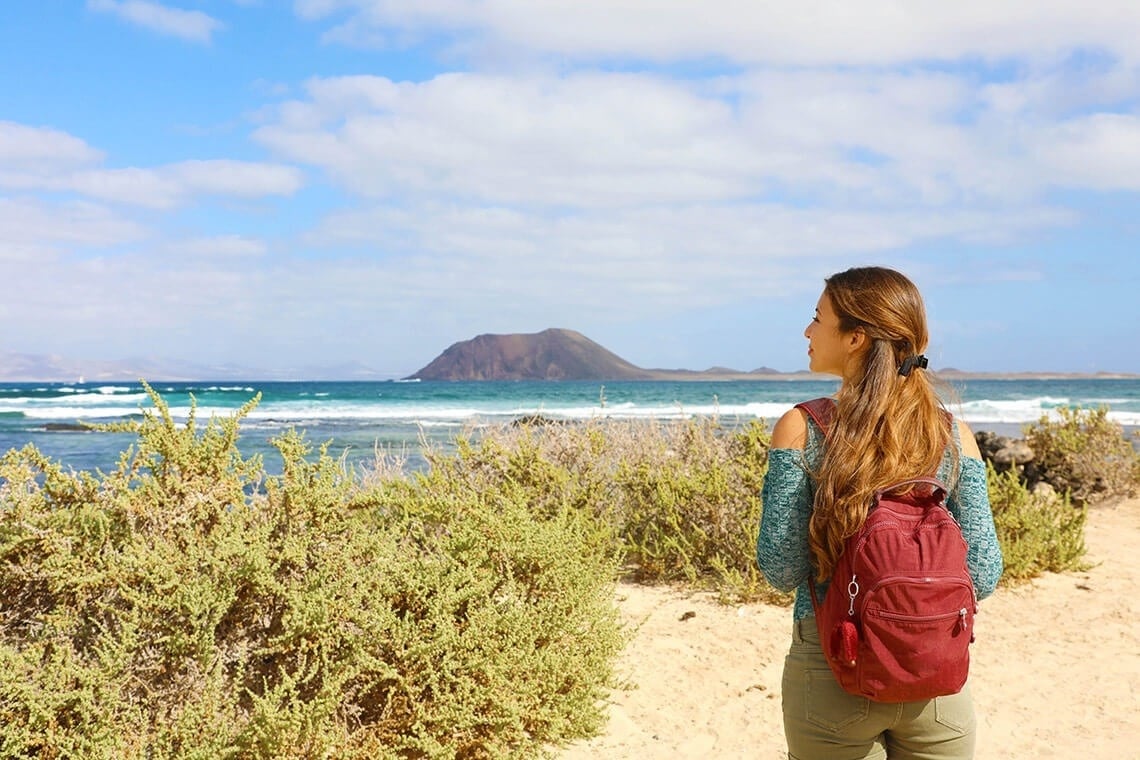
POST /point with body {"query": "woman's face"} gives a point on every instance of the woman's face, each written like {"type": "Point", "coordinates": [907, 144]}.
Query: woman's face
{"type": "Point", "coordinates": [829, 350]}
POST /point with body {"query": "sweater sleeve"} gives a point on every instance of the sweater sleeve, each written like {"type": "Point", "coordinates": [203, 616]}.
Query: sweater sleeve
{"type": "Point", "coordinates": [970, 504]}
{"type": "Point", "coordinates": [782, 542]}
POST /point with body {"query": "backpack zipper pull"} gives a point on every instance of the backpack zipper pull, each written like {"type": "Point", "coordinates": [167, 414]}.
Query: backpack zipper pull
{"type": "Point", "coordinates": [852, 592]}
{"type": "Point", "coordinates": [962, 619]}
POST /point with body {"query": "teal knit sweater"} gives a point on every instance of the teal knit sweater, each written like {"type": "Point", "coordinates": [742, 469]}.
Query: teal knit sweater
{"type": "Point", "coordinates": [782, 544]}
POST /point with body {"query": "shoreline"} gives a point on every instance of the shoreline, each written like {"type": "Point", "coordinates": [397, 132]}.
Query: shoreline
{"type": "Point", "coordinates": [950, 375]}
{"type": "Point", "coordinates": [648, 375]}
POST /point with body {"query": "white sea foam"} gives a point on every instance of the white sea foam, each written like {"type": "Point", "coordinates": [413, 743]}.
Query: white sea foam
{"type": "Point", "coordinates": [321, 412]}
{"type": "Point", "coordinates": [71, 413]}
{"type": "Point", "coordinates": [97, 403]}
{"type": "Point", "coordinates": [91, 400]}
{"type": "Point", "coordinates": [1130, 419]}
{"type": "Point", "coordinates": [1026, 411]}
{"type": "Point", "coordinates": [108, 390]}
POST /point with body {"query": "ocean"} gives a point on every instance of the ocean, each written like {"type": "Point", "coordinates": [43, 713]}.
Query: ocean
{"type": "Point", "coordinates": [357, 418]}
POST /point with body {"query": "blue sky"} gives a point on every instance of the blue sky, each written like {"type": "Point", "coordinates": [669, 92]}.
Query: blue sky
{"type": "Point", "coordinates": [282, 185]}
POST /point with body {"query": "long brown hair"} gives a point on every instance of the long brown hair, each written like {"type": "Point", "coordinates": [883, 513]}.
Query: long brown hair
{"type": "Point", "coordinates": [887, 427]}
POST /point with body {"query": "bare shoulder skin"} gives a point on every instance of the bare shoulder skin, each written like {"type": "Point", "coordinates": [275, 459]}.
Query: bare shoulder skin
{"type": "Point", "coordinates": [969, 443]}
{"type": "Point", "coordinates": [791, 430]}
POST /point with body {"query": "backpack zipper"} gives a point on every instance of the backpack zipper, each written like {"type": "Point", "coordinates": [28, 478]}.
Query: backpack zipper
{"type": "Point", "coordinates": [960, 613]}
{"type": "Point", "coordinates": [952, 579]}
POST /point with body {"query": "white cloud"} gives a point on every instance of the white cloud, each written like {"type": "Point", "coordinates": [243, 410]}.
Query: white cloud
{"type": "Point", "coordinates": [222, 247]}
{"type": "Point", "coordinates": [129, 305]}
{"type": "Point", "coordinates": [867, 33]}
{"type": "Point", "coordinates": [45, 159]}
{"type": "Point", "coordinates": [618, 262]}
{"type": "Point", "coordinates": [79, 223]}
{"type": "Point", "coordinates": [1101, 151]}
{"type": "Point", "coordinates": [234, 178]}
{"type": "Point", "coordinates": [601, 140]}
{"type": "Point", "coordinates": [192, 26]}
{"type": "Point", "coordinates": [821, 107]}
{"type": "Point", "coordinates": [24, 148]}
{"type": "Point", "coordinates": [583, 140]}
{"type": "Point", "coordinates": [141, 187]}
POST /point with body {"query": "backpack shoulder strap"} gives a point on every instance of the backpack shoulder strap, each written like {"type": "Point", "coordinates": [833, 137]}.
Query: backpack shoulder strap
{"type": "Point", "coordinates": [821, 410]}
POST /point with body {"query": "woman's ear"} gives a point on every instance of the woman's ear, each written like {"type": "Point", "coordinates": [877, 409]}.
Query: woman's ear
{"type": "Point", "coordinates": [856, 340]}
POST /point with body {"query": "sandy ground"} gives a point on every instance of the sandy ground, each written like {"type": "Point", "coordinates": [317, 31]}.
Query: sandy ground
{"type": "Point", "coordinates": [1055, 670]}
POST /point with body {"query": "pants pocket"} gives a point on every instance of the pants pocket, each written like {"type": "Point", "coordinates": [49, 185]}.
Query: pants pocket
{"type": "Point", "coordinates": [830, 707]}
{"type": "Point", "coordinates": [955, 712]}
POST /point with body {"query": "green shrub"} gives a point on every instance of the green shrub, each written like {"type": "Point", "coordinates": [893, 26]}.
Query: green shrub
{"type": "Point", "coordinates": [680, 499]}
{"type": "Point", "coordinates": [1038, 533]}
{"type": "Point", "coordinates": [1085, 454]}
{"type": "Point", "coordinates": [691, 505]}
{"type": "Point", "coordinates": [186, 605]}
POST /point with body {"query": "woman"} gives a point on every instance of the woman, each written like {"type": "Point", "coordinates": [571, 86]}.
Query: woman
{"type": "Point", "coordinates": [870, 330]}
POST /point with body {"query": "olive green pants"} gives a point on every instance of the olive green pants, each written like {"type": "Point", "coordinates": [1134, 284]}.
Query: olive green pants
{"type": "Point", "coordinates": [824, 722]}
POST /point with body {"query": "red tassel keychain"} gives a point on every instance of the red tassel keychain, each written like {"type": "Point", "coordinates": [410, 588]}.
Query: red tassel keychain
{"type": "Point", "coordinates": [844, 643]}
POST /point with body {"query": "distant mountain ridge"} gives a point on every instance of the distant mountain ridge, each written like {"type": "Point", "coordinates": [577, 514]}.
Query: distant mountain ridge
{"type": "Point", "coordinates": [559, 354]}
{"type": "Point", "coordinates": [553, 354]}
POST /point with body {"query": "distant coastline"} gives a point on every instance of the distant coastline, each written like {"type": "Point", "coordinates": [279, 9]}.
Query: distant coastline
{"type": "Point", "coordinates": [946, 374]}
{"type": "Point", "coordinates": [652, 375]}
{"type": "Point", "coordinates": [31, 368]}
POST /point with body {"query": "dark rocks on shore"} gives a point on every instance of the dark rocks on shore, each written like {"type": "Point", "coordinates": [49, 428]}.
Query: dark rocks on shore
{"type": "Point", "coordinates": [1007, 454]}
{"type": "Point", "coordinates": [66, 427]}
{"type": "Point", "coordinates": [536, 420]}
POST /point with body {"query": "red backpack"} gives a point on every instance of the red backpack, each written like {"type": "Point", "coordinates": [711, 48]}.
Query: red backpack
{"type": "Point", "coordinates": [898, 618]}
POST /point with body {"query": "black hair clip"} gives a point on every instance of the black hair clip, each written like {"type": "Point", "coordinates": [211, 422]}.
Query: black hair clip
{"type": "Point", "coordinates": [911, 362]}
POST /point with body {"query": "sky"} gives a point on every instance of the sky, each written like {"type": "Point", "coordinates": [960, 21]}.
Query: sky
{"type": "Point", "coordinates": [319, 182]}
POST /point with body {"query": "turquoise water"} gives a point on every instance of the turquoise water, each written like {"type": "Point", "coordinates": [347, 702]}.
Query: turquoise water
{"type": "Point", "coordinates": [358, 417]}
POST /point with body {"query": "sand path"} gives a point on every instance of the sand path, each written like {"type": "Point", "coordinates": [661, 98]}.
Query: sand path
{"type": "Point", "coordinates": [1055, 673]}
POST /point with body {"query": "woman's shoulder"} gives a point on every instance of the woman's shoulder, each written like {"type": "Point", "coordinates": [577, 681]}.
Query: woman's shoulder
{"type": "Point", "coordinates": [790, 431]}
{"type": "Point", "coordinates": [967, 442]}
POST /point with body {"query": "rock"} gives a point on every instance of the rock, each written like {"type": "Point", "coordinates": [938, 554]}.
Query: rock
{"type": "Point", "coordinates": [1010, 454]}
{"type": "Point", "coordinates": [66, 427]}
{"type": "Point", "coordinates": [990, 443]}
{"type": "Point", "coordinates": [1013, 453]}
{"type": "Point", "coordinates": [1032, 474]}
{"type": "Point", "coordinates": [536, 420]}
